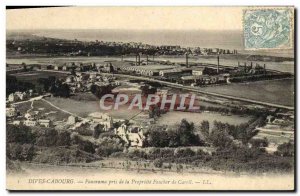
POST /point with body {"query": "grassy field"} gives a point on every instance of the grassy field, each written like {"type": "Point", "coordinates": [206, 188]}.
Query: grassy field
{"type": "Point", "coordinates": [272, 91]}
{"type": "Point", "coordinates": [276, 139]}
{"type": "Point", "coordinates": [45, 110]}
{"type": "Point", "coordinates": [33, 76]}
{"type": "Point", "coordinates": [81, 108]}
{"type": "Point", "coordinates": [84, 107]}
{"type": "Point", "coordinates": [175, 117]}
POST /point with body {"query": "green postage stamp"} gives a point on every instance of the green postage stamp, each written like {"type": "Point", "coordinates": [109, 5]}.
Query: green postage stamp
{"type": "Point", "coordinates": [268, 28]}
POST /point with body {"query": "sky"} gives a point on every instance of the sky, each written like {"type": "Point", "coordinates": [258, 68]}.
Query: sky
{"type": "Point", "coordinates": [143, 18]}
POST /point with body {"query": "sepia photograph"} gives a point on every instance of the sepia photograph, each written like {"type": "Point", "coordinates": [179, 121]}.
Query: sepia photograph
{"type": "Point", "coordinates": [150, 98]}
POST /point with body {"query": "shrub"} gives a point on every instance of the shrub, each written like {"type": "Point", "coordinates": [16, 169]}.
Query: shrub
{"type": "Point", "coordinates": [63, 139]}
{"type": "Point", "coordinates": [285, 149]}
{"type": "Point", "coordinates": [47, 137]}
{"type": "Point", "coordinates": [158, 163]}
{"type": "Point", "coordinates": [109, 145]}
{"type": "Point", "coordinates": [22, 152]}
{"type": "Point", "coordinates": [259, 142]}
{"type": "Point", "coordinates": [19, 134]}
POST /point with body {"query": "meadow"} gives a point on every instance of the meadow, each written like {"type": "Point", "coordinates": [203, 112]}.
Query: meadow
{"type": "Point", "coordinates": [272, 91]}
{"type": "Point", "coordinates": [175, 117]}
{"type": "Point", "coordinates": [33, 76]}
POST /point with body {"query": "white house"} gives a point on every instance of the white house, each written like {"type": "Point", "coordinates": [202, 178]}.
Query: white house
{"type": "Point", "coordinates": [44, 122]}
{"type": "Point", "coordinates": [10, 112]}
{"type": "Point", "coordinates": [12, 97]}
{"type": "Point", "coordinates": [72, 120]}
{"type": "Point", "coordinates": [103, 119]}
{"type": "Point", "coordinates": [131, 135]}
{"type": "Point", "coordinates": [30, 123]}
{"type": "Point", "coordinates": [198, 71]}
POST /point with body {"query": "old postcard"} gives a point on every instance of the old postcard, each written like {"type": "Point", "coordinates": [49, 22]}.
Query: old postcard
{"type": "Point", "coordinates": [150, 98]}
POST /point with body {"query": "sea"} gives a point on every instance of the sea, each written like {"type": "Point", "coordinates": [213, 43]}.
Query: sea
{"type": "Point", "coordinates": [184, 38]}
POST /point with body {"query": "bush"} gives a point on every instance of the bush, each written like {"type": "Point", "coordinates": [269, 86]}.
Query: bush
{"type": "Point", "coordinates": [21, 152]}
{"type": "Point", "coordinates": [185, 152]}
{"type": "Point", "coordinates": [82, 143]}
{"type": "Point", "coordinates": [19, 134]}
{"type": "Point", "coordinates": [47, 137]}
{"type": "Point", "coordinates": [63, 138]}
{"type": "Point", "coordinates": [51, 137]}
{"type": "Point", "coordinates": [259, 142]}
{"type": "Point", "coordinates": [182, 135]}
{"type": "Point", "coordinates": [63, 155]}
{"type": "Point", "coordinates": [109, 145]}
{"type": "Point", "coordinates": [285, 149]}
{"type": "Point", "coordinates": [84, 130]}
{"type": "Point", "coordinates": [158, 163]}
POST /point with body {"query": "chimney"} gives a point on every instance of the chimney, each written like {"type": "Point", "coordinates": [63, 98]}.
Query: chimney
{"type": "Point", "coordinates": [139, 58]}
{"type": "Point", "coordinates": [218, 64]}
{"type": "Point", "coordinates": [147, 59]}
{"type": "Point", "coordinates": [245, 67]}
{"type": "Point", "coordinates": [187, 59]}
{"type": "Point", "coordinates": [136, 58]}
{"type": "Point", "coordinates": [251, 65]}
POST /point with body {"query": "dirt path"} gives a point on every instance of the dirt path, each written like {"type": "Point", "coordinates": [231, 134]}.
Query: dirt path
{"type": "Point", "coordinates": [65, 111]}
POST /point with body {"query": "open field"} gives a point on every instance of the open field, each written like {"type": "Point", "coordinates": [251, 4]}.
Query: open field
{"type": "Point", "coordinates": [81, 108]}
{"type": "Point", "coordinates": [84, 107]}
{"type": "Point", "coordinates": [272, 91]}
{"type": "Point", "coordinates": [175, 117]}
{"type": "Point", "coordinates": [45, 110]}
{"type": "Point", "coordinates": [33, 76]}
{"type": "Point", "coordinates": [276, 139]}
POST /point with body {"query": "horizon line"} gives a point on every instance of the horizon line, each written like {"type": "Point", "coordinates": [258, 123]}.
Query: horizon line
{"type": "Point", "coordinates": [126, 29]}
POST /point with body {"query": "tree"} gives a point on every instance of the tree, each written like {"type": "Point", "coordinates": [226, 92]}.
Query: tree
{"type": "Point", "coordinates": [286, 149]}
{"type": "Point", "coordinates": [181, 135]}
{"type": "Point", "coordinates": [219, 136]}
{"type": "Point", "coordinates": [259, 142]}
{"type": "Point", "coordinates": [109, 145]}
{"type": "Point", "coordinates": [204, 128]}
{"type": "Point", "coordinates": [186, 133]}
{"type": "Point", "coordinates": [247, 131]}
{"type": "Point", "coordinates": [99, 91]}
{"type": "Point", "coordinates": [63, 138]}
{"type": "Point", "coordinates": [158, 163]}
{"type": "Point", "coordinates": [185, 152]}
{"type": "Point", "coordinates": [22, 152]}
{"type": "Point", "coordinates": [19, 134]}
{"type": "Point", "coordinates": [158, 138]}
{"type": "Point", "coordinates": [147, 90]}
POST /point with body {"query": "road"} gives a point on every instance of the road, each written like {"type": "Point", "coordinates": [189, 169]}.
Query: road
{"type": "Point", "coordinates": [193, 89]}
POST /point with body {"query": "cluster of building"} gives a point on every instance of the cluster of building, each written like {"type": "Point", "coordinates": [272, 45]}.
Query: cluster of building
{"type": "Point", "coordinates": [19, 96]}
{"type": "Point", "coordinates": [31, 118]}
{"type": "Point", "coordinates": [80, 82]}
{"type": "Point", "coordinates": [132, 135]}
{"type": "Point", "coordinates": [95, 121]}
